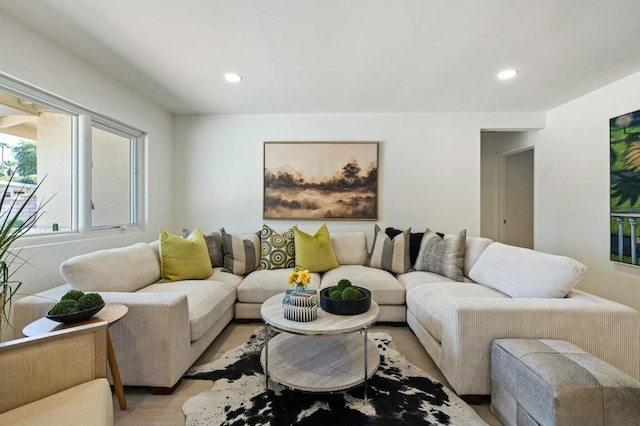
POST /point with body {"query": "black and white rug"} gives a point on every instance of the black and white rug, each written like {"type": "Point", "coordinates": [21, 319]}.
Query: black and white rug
{"type": "Point", "coordinates": [399, 394]}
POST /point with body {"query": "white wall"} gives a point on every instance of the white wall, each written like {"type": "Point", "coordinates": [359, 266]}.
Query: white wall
{"type": "Point", "coordinates": [572, 187]}
{"type": "Point", "coordinates": [32, 58]}
{"type": "Point", "coordinates": [429, 166]}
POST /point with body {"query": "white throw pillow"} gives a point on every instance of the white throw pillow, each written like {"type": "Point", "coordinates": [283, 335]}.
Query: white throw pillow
{"type": "Point", "coordinates": [523, 273]}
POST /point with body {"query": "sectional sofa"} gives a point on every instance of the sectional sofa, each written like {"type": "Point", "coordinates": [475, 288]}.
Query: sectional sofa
{"type": "Point", "coordinates": [169, 325]}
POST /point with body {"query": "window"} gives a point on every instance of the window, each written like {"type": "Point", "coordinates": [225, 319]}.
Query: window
{"type": "Point", "coordinates": [88, 165]}
{"type": "Point", "coordinates": [112, 195]}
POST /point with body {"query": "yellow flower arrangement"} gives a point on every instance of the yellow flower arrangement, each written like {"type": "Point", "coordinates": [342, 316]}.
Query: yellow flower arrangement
{"type": "Point", "coordinates": [299, 278]}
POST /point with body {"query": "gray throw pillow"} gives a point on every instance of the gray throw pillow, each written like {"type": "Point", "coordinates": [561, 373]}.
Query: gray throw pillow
{"type": "Point", "coordinates": [442, 255]}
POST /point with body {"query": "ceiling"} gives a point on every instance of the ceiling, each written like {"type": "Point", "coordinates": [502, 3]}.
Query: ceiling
{"type": "Point", "coordinates": [306, 56]}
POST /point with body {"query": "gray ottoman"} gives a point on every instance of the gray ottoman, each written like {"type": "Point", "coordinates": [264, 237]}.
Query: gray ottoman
{"type": "Point", "coordinates": [552, 382]}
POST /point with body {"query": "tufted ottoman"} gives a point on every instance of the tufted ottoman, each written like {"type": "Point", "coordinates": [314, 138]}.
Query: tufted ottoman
{"type": "Point", "coordinates": [552, 382]}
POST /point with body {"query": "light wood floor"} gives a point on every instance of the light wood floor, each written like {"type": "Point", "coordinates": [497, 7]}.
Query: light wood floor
{"type": "Point", "coordinates": [147, 409]}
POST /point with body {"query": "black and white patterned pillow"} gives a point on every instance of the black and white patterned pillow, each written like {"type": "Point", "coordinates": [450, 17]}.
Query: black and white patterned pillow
{"type": "Point", "coordinates": [277, 251]}
{"type": "Point", "coordinates": [442, 255]}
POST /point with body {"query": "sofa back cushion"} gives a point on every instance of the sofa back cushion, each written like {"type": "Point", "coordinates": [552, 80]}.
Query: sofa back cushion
{"type": "Point", "coordinates": [474, 248]}
{"type": "Point", "coordinates": [350, 248]}
{"type": "Point", "coordinates": [525, 273]}
{"type": "Point", "coordinates": [125, 269]}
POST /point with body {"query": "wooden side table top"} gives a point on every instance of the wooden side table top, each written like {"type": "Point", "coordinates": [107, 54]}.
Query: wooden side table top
{"type": "Point", "coordinates": [111, 313]}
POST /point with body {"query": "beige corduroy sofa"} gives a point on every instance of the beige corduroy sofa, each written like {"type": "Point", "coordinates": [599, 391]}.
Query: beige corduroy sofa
{"type": "Point", "coordinates": [56, 379]}
{"type": "Point", "coordinates": [170, 325]}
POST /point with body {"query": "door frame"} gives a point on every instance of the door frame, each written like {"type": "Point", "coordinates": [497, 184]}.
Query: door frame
{"type": "Point", "coordinates": [502, 188]}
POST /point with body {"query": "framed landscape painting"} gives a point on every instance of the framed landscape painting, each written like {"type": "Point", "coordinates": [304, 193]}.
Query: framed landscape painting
{"type": "Point", "coordinates": [625, 187]}
{"type": "Point", "coordinates": [320, 180]}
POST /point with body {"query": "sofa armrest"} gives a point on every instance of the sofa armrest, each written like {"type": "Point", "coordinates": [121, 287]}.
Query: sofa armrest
{"type": "Point", "coordinates": [33, 368]}
{"type": "Point", "coordinates": [606, 329]}
{"type": "Point", "coordinates": [151, 343]}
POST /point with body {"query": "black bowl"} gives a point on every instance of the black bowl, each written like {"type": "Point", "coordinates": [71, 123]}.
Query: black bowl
{"type": "Point", "coordinates": [345, 307]}
{"type": "Point", "coordinates": [76, 316]}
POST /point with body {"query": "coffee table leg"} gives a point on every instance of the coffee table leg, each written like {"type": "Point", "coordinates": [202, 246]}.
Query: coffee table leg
{"type": "Point", "coordinates": [266, 358]}
{"type": "Point", "coordinates": [115, 374]}
{"type": "Point", "coordinates": [365, 365]}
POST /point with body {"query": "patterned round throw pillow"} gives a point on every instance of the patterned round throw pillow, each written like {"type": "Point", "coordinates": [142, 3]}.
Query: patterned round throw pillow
{"type": "Point", "coordinates": [277, 251]}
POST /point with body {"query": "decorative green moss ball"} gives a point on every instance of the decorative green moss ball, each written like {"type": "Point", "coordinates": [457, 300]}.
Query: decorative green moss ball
{"type": "Point", "coordinates": [73, 295]}
{"type": "Point", "coordinates": [350, 293]}
{"type": "Point", "coordinates": [67, 306]}
{"type": "Point", "coordinates": [343, 283]}
{"type": "Point", "coordinates": [89, 300]}
{"type": "Point", "coordinates": [336, 294]}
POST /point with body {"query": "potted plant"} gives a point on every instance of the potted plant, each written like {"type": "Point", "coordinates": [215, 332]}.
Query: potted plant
{"type": "Point", "coordinates": [13, 226]}
{"type": "Point", "coordinates": [345, 299]}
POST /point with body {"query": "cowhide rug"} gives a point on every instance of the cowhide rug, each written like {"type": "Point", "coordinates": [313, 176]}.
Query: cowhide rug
{"type": "Point", "coordinates": [399, 394]}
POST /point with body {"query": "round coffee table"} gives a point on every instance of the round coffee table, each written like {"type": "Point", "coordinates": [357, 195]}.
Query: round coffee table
{"type": "Point", "coordinates": [324, 355]}
{"type": "Point", "coordinates": [111, 313]}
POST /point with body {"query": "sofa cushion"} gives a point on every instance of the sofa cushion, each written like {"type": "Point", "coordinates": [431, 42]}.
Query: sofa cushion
{"type": "Point", "coordinates": [385, 288]}
{"type": "Point", "coordinates": [475, 246]}
{"type": "Point", "coordinates": [207, 301]}
{"type": "Point", "coordinates": [87, 404]}
{"type": "Point", "coordinates": [350, 248]}
{"type": "Point", "coordinates": [124, 269]}
{"type": "Point", "coordinates": [442, 255]}
{"type": "Point", "coordinates": [314, 253]}
{"type": "Point", "coordinates": [219, 274]}
{"type": "Point", "coordinates": [426, 302]}
{"type": "Point", "coordinates": [390, 254]}
{"type": "Point", "coordinates": [258, 286]}
{"type": "Point", "coordinates": [416, 278]}
{"type": "Point", "coordinates": [241, 252]}
{"type": "Point", "coordinates": [525, 273]}
{"type": "Point", "coordinates": [277, 251]}
{"type": "Point", "coordinates": [184, 258]}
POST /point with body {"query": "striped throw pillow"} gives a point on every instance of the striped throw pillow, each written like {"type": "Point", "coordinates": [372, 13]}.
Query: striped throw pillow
{"type": "Point", "coordinates": [442, 255]}
{"type": "Point", "coordinates": [390, 254]}
{"type": "Point", "coordinates": [524, 273]}
{"type": "Point", "coordinates": [241, 252]}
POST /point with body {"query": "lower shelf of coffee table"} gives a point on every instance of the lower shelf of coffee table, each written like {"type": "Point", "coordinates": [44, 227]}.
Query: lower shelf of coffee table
{"type": "Point", "coordinates": [320, 363]}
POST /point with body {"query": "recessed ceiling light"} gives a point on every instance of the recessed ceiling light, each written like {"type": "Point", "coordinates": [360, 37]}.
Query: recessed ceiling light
{"type": "Point", "coordinates": [507, 74]}
{"type": "Point", "coordinates": [232, 77]}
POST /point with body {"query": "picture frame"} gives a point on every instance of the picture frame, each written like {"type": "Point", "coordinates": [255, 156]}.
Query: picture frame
{"type": "Point", "coordinates": [320, 180]}
{"type": "Point", "coordinates": [624, 170]}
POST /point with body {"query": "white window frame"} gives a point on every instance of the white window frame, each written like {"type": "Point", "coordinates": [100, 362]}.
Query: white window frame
{"type": "Point", "coordinates": [83, 119]}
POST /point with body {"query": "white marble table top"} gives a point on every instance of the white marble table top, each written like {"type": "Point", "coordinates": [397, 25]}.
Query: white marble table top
{"type": "Point", "coordinates": [326, 323]}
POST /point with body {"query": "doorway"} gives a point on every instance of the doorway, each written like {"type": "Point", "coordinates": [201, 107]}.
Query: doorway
{"type": "Point", "coordinates": [507, 186]}
{"type": "Point", "coordinates": [517, 200]}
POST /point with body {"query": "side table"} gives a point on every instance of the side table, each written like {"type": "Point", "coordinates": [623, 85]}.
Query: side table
{"type": "Point", "coordinates": [111, 313]}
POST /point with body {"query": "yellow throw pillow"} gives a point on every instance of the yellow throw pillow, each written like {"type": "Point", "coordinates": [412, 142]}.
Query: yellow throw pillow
{"type": "Point", "coordinates": [184, 258]}
{"type": "Point", "coordinates": [314, 253]}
